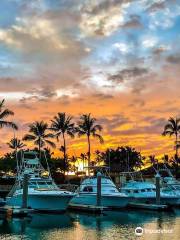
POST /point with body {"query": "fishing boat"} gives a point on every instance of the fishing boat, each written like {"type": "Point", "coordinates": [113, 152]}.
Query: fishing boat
{"type": "Point", "coordinates": [169, 182]}
{"type": "Point", "coordinates": [110, 195]}
{"type": "Point", "coordinates": [43, 193]}
{"type": "Point", "coordinates": [142, 191]}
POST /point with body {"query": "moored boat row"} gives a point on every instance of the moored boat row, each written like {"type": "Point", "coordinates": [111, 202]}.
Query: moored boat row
{"type": "Point", "coordinates": [45, 195]}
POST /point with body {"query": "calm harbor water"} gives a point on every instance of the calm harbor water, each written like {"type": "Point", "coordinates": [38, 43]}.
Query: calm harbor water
{"type": "Point", "coordinates": [109, 226]}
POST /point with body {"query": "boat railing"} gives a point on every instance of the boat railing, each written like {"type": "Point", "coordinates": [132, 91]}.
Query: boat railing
{"type": "Point", "coordinates": [13, 189]}
{"type": "Point", "coordinates": [68, 187]}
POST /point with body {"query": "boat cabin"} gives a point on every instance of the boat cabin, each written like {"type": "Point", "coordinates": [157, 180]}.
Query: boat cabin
{"type": "Point", "coordinates": [89, 185]}
{"type": "Point", "coordinates": [133, 187]}
{"type": "Point", "coordinates": [48, 184]}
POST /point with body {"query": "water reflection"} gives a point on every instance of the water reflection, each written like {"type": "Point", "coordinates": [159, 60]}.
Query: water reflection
{"type": "Point", "coordinates": [76, 226]}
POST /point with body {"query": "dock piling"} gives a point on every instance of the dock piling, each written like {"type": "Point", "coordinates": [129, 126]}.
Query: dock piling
{"type": "Point", "coordinates": [25, 191]}
{"type": "Point", "coordinates": [98, 189]}
{"type": "Point", "coordinates": [158, 196]}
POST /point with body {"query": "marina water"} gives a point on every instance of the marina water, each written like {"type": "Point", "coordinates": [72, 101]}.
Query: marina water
{"type": "Point", "coordinates": [111, 225]}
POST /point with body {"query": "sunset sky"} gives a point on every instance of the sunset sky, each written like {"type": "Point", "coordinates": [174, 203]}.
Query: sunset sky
{"type": "Point", "coordinates": [116, 59]}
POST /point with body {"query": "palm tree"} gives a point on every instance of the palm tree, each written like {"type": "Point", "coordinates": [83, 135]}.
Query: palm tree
{"type": "Point", "coordinates": [62, 125]}
{"type": "Point", "coordinates": [4, 113]}
{"type": "Point", "coordinates": [173, 128]}
{"type": "Point", "coordinates": [38, 134]}
{"type": "Point", "coordinates": [83, 157]}
{"type": "Point", "coordinates": [153, 160]}
{"type": "Point", "coordinates": [16, 144]}
{"type": "Point", "coordinates": [87, 126]}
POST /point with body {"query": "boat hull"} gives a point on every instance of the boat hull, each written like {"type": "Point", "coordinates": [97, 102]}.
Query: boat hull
{"type": "Point", "coordinates": [42, 202]}
{"type": "Point", "coordinates": [106, 200]}
{"type": "Point", "coordinates": [152, 200]}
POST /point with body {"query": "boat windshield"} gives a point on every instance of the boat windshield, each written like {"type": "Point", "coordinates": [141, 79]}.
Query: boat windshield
{"type": "Point", "coordinates": [42, 184]}
{"type": "Point", "coordinates": [30, 156]}
{"type": "Point", "coordinates": [88, 189]}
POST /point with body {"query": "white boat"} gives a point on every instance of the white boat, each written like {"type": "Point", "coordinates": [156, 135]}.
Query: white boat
{"type": "Point", "coordinates": [43, 193]}
{"type": "Point", "coordinates": [145, 192]}
{"type": "Point", "coordinates": [167, 178]}
{"type": "Point", "coordinates": [169, 184]}
{"type": "Point", "coordinates": [110, 195]}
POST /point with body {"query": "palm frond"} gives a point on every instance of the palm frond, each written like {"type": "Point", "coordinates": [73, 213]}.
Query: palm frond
{"type": "Point", "coordinates": [16, 143]}
{"type": "Point", "coordinates": [172, 127]}
{"type": "Point", "coordinates": [2, 104]}
{"type": "Point", "coordinates": [8, 124]}
{"type": "Point", "coordinates": [29, 137]}
{"type": "Point", "coordinates": [49, 135]}
{"type": "Point", "coordinates": [39, 142]}
{"type": "Point", "coordinates": [99, 137]}
{"type": "Point", "coordinates": [50, 143]}
{"type": "Point", "coordinates": [6, 113]}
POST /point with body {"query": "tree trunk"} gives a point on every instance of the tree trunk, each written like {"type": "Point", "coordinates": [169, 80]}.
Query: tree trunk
{"type": "Point", "coordinates": [176, 156]}
{"type": "Point", "coordinates": [89, 154]}
{"type": "Point", "coordinates": [176, 145]}
{"type": "Point", "coordinates": [83, 163]}
{"type": "Point", "coordinates": [39, 148]}
{"type": "Point", "coordinates": [64, 140]}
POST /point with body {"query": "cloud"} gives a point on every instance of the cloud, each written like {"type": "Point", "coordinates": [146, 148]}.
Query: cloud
{"type": "Point", "coordinates": [133, 79]}
{"type": "Point", "coordinates": [102, 96]}
{"type": "Point", "coordinates": [162, 14]}
{"type": "Point", "coordinates": [133, 22]}
{"type": "Point", "coordinates": [137, 102]}
{"type": "Point", "coordinates": [102, 18]}
{"type": "Point", "coordinates": [43, 46]}
{"type": "Point", "coordinates": [152, 126]}
{"type": "Point", "coordinates": [128, 73]}
{"type": "Point", "coordinates": [156, 6]}
{"type": "Point", "coordinates": [122, 47]}
{"type": "Point", "coordinates": [112, 122]}
{"type": "Point", "coordinates": [45, 92]}
{"type": "Point", "coordinates": [174, 59]}
{"type": "Point", "coordinates": [149, 41]}
{"type": "Point", "coordinates": [117, 77]}
{"type": "Point", "coordinates": [134, 72]}
{"type": "Point", "coordinates": [161, 49]}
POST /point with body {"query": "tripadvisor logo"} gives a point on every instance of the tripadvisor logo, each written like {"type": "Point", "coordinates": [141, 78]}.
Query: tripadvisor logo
{"type": "Point", "coordinates": [139, 231]}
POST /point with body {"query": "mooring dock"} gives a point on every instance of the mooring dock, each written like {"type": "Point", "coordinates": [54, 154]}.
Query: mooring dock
{"type": "Point", "coordinates": [153, 207]}
{"type": "Point", "coordinates": [13, 211]}
{"type": "Point", "coordinates": [88, 208]}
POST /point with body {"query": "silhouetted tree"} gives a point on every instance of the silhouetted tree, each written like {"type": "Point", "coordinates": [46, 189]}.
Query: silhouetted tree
{"type": "Point", "coordinates": [15, 144]}
{"type": "Point", "coordinates": [122, 159]}
{"type": "Point", "coordinates": [173, 128]}
{"type": "Point", "coordinates": [39, 135]}
{"type": "Point", "coordinates": [87, 126]}
{"type": "Point", "coordinates": [62, 125]}
{"type": "Point", "coordinates": [84, 158]}
{"type": "Point", "coordinates": [4, 113]}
